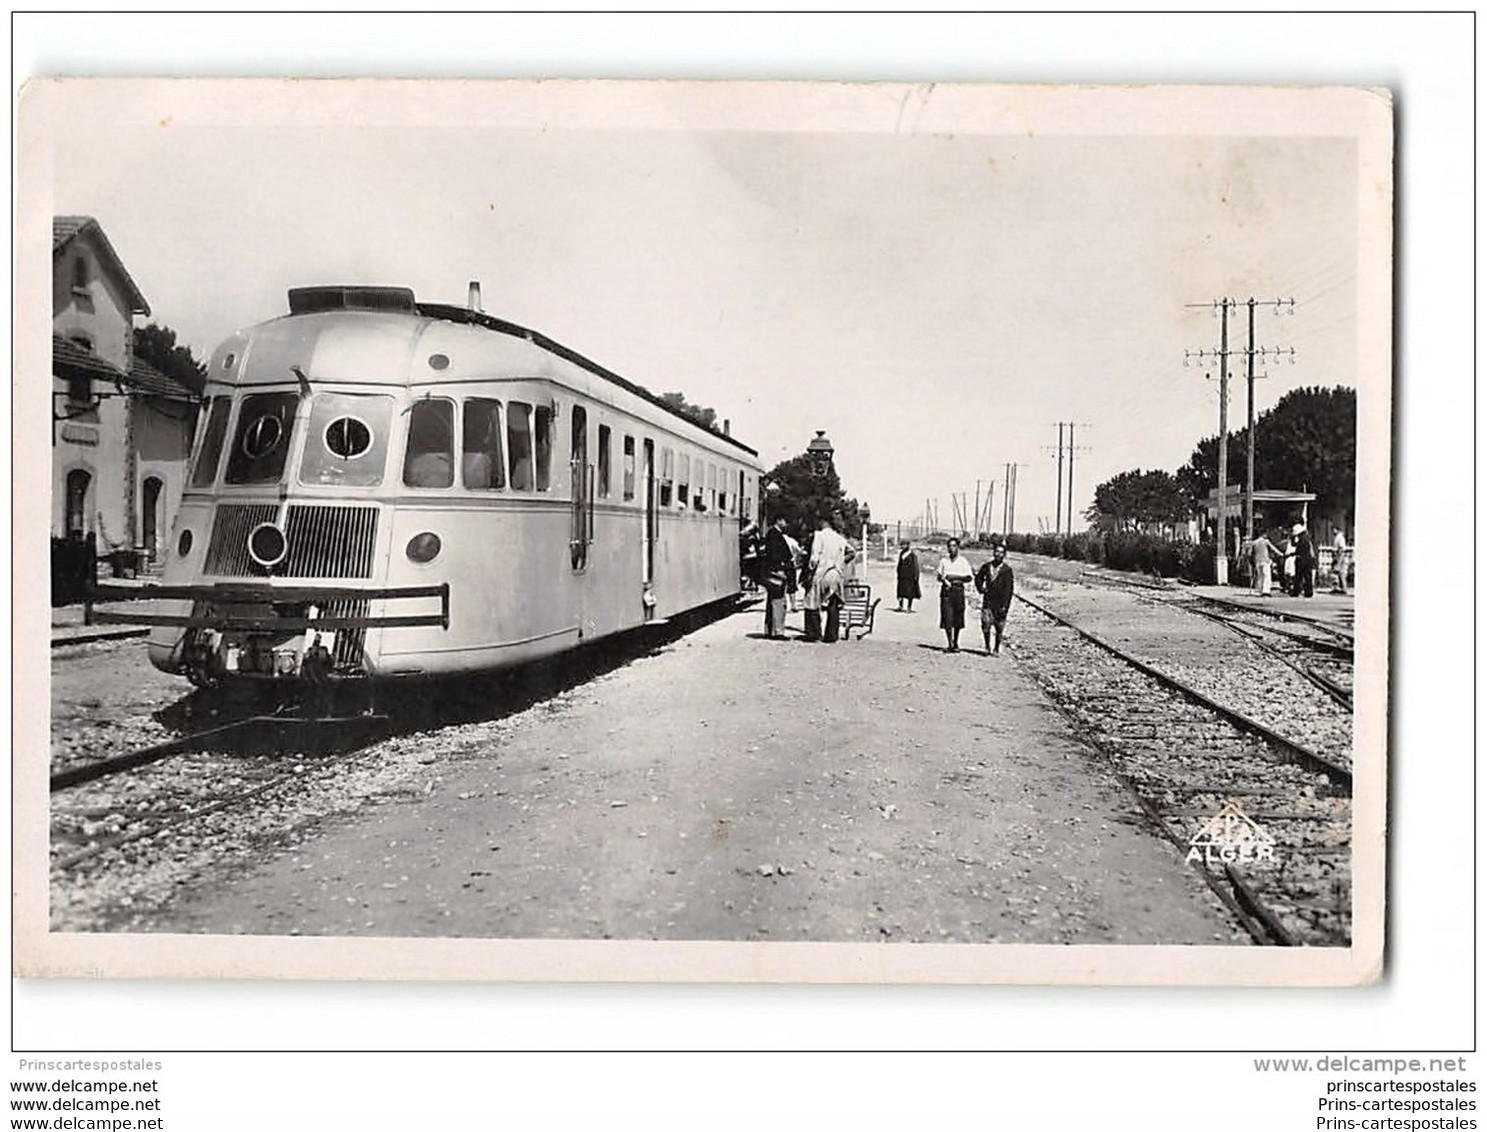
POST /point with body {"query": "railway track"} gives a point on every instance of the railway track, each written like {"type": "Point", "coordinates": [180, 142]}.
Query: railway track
{"type": "Point", "coordinates": [230, 765]}
{"type": "Point", "coordinates": [1266, 820]}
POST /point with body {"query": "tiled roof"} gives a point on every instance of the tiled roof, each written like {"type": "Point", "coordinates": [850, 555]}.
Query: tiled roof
{"type": "Point", "coordinates": [65, 229]}
{"type": "Point", "coordinates": [147, 379]}
{"type": "Point", "coordinates": [69, 359]}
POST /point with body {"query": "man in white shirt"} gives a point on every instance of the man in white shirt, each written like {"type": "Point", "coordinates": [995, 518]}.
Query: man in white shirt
{"type": "Point", "coordinates": [830, 553]}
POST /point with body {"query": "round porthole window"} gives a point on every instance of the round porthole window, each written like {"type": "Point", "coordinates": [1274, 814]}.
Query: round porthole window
{"type": "Point", "coordinates": [348, 437]}
{"type": "Point", "coordinates": [438, 361]}
{"type": "Point", "coordinates": [262, 436]}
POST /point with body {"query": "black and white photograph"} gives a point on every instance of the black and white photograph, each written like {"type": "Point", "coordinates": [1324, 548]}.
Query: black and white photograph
{"type": "Point", "coordinates": [704, 531]}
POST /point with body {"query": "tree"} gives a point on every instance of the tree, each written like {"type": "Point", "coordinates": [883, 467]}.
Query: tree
{"type": "Point", "coordinates": [1307, 442]}
{"type": "Point", "coordinates": [1136, 499]}
{"type": "Point", "coordinates": [697, 414]}
{"type": "Point", "coordinates": [803, 498]}
{"type": "Point", "coordinates": [157, 345]}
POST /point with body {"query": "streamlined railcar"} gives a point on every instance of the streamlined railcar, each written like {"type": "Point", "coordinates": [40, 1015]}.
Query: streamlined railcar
{"type": "Point", "coordinates": [384, 488]}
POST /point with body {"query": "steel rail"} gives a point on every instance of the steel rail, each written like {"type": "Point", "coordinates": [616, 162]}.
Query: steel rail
{"type": "Point", "coordinates": [1340, 775]}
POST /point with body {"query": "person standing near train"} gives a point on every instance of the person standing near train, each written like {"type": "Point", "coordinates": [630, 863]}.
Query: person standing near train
{"type": "Point", "coordinates": [1339, 562]}
{"type": "Point", "coordinates": [954, 573]}
{"type": "Point", "coordinates": [830, 554]}
{"type": "Point", "coordinates": [1261, 551]}
{"type": "Point", "coordinates": [778, 574]}
{"type": "Point", "coordinates": [1306, 563]}
{"type": "Point", "coordinates": [908, 576]}
{"type": "Point", "coordinates": [994, 584]}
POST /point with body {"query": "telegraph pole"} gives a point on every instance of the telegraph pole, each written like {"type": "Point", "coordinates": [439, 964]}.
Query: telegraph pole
{"type": "Point", "coordinates": [1222, 353]}
{"type": "Point", "coordinates": [1058, 495]}
{"type": "Point", "coordinates": [1071, 478]}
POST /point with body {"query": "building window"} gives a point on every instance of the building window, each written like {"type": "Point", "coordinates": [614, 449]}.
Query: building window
{"type": "Point", "coordinates": [629, 467]}
{"type": "Point", "coordinates": [77, 503]}
{"type": "Point", "coordinates": [483, 463]}
{"type": "Point", "coordinates": [683, 480]}
{"type": "Point", "coordinates": [604, 461]}
{"type": "Point", "coordinates": [80, 385]}
{"type": "Point", "coordinates": [80, 273]}
{"type": "Point", "coordinates": [428, 460]}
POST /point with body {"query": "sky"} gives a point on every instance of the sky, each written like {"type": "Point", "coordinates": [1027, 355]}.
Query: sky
{"type": "Point", "coordinates": [936, 298]}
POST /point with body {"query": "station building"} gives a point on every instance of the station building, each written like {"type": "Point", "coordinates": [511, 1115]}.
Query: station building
{"type": "Point", "coordinates": [121, 429]}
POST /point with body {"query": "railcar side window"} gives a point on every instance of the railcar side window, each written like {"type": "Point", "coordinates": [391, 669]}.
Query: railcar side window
{"type": "Point", "coordinates": [213, 438]}
{"type": "Point", "coordinates": [543, 415]}
{"type": "Point", "coordinates": [519, 444]}
{"type": "Point", "coordinates": [429, 458]}
{"type": "Point", "coordinates": [668, 461]}
{"type": "Point", "coordinates": [262, 443]}
{"type": "Point", "coordinates": [347, 442]}
{"type": "Point", "coordinates": [604, 461]}
{"type": "Point", "coordinates": [482, 459]}
{"type": "Point", "coordinates": [629, 467]}
{"type": "Point", "coordinates": [683, 480]}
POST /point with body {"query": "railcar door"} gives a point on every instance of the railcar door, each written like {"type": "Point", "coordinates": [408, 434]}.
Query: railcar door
{"type": "Point", "coordinates": [648, 538]}
{"type": "Point", "coordinates": [579, 534]}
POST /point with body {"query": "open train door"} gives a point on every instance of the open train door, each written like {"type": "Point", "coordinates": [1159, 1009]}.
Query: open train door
{"type": "Point", "coordinates": [648, 536]}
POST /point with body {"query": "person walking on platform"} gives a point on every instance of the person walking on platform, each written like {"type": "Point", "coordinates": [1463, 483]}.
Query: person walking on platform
{"type": "Point", "coordinates": [830, 554]}
{"type": "Point", "coordinates": [778, 574]}
{"type": "Point", "coordinates": [954, 573]}
{"type": "Point", "coordinates": [908, 576]}
{"type": "Point", "coordinates": [1306, 563]}
{"type": "Point", "coordinates": [994, 584]}
{"type": "Point", "coordinates": [1261, 549]}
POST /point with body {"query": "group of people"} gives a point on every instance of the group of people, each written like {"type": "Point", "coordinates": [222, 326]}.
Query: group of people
{"type": "Point", "coordinates": [819, 574]}
{"type": "Point", "coordinates": [993, 581]}
{"type": "Point", "coordinates": [784, 568]}
{"type": "Point", "coordinates": [1298, 559]}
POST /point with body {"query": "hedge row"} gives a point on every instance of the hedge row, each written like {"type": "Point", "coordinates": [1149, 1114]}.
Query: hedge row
{"type": "Point", "coordinates": [1122, 550]}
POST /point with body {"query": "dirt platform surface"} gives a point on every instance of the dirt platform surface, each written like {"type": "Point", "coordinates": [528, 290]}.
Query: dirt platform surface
{"type": "Point", "coordinates": [730, 787]}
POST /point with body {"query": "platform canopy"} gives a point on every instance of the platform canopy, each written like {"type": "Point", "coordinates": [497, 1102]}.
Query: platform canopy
{"type": "Point", "coordinates": [1264, 498]}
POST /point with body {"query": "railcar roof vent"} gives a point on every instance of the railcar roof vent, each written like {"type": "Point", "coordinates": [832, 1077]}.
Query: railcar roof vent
{"type": "Point", "coordinates": [310, 300]}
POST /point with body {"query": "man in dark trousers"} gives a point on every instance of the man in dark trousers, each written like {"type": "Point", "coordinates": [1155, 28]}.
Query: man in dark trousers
{"type": "Point", "coordinates": [1306, 563]}
{"type": "Point", "coordinates": [994, 584]}
{"type": "Point", "coordinates": [778, 572]}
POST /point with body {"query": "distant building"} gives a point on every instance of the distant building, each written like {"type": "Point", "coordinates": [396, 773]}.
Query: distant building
{"type": "Point", "coordinates": [121, 430]}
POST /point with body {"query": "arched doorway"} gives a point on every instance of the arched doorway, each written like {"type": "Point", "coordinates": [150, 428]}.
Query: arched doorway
{"type": "Point", "coordinates": [150, 520]}
{"type": "Point", "coordinates": [77, 503]}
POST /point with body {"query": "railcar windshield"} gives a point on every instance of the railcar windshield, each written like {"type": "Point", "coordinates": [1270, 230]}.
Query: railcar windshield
{"type": "Point", "coordinates": [214, 436]}
{"type": "Point", "coordinates": [347, 441]}
{"type": "Point", "coordinates": [265, 425]}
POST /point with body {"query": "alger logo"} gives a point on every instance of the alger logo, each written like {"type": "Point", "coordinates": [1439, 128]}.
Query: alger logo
{"type": "Point", "coordinates": [1230, 838]}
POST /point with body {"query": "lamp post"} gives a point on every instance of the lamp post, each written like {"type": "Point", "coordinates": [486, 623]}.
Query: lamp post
{"type": "Point", "coordinates": [820, 452]}
{"type": "Point", "coordinates": [866, 514]}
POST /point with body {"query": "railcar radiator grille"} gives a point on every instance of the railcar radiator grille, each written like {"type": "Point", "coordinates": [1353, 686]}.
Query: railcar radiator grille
{"type": "Point", "coordinates": [228, 552]}
{"type": "Point", "coordinates": [330, 542]}
{"type": "Point", "coordinates": [323, 541]}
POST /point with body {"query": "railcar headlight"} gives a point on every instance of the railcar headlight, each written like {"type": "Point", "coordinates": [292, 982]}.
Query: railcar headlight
{"type": "Point", "coordinates": [183, 544]}
{"type": "Point", "coordinates": [267, 545]}
{"type": "Point", "coordinates": [424, 547]}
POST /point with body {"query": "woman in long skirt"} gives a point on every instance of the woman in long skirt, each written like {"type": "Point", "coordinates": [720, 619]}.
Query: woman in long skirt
{"type": "Point", "coordinates": [908, 576]}
{"type": "Point", "coordinates": [954, 573]}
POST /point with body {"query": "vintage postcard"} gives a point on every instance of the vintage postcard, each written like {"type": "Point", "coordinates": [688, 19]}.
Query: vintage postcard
{"type": "Point", "coordinates": [702, 532]}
